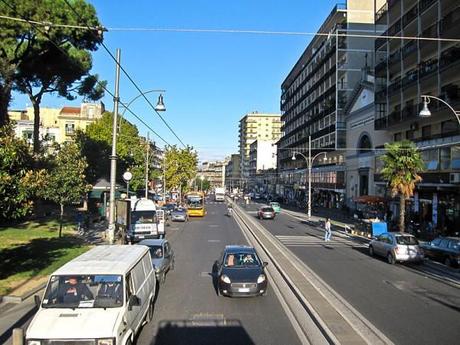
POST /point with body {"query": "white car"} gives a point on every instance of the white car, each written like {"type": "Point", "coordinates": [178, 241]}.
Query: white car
{"type": "Point", "coordinates": [396, 247]}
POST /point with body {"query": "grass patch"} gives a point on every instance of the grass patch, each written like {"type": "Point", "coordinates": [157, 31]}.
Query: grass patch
{"type": "Point", "coordinates": [32, 250]}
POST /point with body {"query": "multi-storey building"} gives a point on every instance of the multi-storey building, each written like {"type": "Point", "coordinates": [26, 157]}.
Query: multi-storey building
{"type": "Point", "coordinates": [232, 172]}
{"type": "Point", "coordinates": [262, 156]}
{"type": "Point", "coordinates": [256, 126]}
{"type": "Point", "coordinates": [314, 95]}
{"type": "Point", "coordinates": [407, 68]}
{"type": "Point", "coordinates": [56, 124]}
{"type": "Point", "coordinates": [214, 172]}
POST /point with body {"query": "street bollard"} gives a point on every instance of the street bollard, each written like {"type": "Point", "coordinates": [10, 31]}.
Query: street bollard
{"type": "Point", "coordinates": [18, 336]}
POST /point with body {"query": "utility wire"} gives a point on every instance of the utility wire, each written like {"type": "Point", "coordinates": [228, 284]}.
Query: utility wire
{"type": "Point", "coordinates": [34, 25]}
{"type": "Point", "coordinates": [130, 78]}
{"type": "Point", "coordinates": [242, 31]}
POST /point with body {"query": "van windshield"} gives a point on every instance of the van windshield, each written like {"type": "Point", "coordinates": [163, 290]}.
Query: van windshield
{"type": "Point", "coordinates": [143, 217]}
{"type": "Point", "coordinates": [84, 291]}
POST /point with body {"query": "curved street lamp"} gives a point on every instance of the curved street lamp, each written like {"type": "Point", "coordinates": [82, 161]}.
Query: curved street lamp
{"type": "Point", "coordinates": [309, 161]}
{"type": "Point", "coordinates": [425, 112]}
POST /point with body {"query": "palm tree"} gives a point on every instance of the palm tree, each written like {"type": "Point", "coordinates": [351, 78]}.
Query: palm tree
{"type": "Point", "coordinates": [402, 164]}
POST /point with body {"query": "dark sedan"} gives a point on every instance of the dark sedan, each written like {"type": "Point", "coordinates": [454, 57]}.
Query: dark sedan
{"type": "Point", "coordinates": [179, 215]}
{"type": "Point", "coordinates": [240, 273]}
{"type": "Point", "coordinates": [444, 249]}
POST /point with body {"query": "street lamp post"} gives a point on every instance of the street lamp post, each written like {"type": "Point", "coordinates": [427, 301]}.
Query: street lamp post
{"type": "Point", "coordinates": [127, 176]}
{"type": "Point", "coordinates": [309, 161]}
{"type": "Point", "coordinates": [425, 112]}
{"type": "Point", "coordinates": [113, 157]}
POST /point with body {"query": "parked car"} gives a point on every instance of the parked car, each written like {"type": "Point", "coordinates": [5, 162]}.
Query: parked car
{"type": "Point", "coordinates": [168, 208]}
{"type": "Point", "coordinates": [163, 258]}
{"type": "Point", "coordinates": [179, 215]}
{"type": "Point", "coordinates": [275, 206]}
{"type": "Point", "coordinates": [396, 247]}
{"type": "Point", "coordinates": [266, 212]}
{"type": "Point", "coordinates": [240, 272]}
{"type": "Point", "coordinates": [444, 249]}
{"type": "Point", "coordinates": [101, 297]}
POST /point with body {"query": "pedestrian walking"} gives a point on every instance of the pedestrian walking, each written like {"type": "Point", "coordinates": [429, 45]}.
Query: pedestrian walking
{"type": "Point", "coordinates": [79, 219]}
{"type": "Point", "coordinates": [327, 230]}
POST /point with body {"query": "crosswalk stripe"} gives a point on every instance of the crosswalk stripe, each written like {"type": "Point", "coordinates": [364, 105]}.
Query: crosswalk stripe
{"type": "Point", "coordinates": [311, 241]}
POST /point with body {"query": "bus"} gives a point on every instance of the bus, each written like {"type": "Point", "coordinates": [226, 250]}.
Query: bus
{"type": "Point", "coordinates": [195, 204]}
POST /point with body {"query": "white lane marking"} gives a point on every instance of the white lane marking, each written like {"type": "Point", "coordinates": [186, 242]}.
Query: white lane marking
{"type": "Point", "coordinates": [213, 226]}
{"type": "Point", "coordinates": [205, 274]}
{"type": "Point", "coordinates": [214, 241]}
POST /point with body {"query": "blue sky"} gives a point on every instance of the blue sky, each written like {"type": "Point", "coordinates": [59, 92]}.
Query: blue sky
{"type": "Point", "coordinates": [211, 79]}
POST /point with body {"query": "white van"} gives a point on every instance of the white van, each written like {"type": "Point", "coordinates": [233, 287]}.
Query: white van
{"type": "Point", "coordinates": [101, 297]}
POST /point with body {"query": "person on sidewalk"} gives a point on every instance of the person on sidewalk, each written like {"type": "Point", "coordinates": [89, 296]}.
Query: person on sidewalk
{"type": "Point", "coordinates": [327, 229]}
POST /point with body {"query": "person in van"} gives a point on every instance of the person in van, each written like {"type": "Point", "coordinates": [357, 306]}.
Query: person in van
{"type": "Point", "coordinates": [111, 290]}
{"type": "Point", "coordinates": [74, 291]}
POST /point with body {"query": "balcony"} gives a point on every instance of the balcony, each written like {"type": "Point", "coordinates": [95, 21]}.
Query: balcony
{"type": "Point", "coordinates": [449, 24]}
{"type": "Point", "coordinates": [381, 14]}
{"type": "Point", "coordinates": [394, 87]}
{"type": "Point", "coordinates": [410, 16]}
{"type": "Point", "coordinates": [410, 78]}
{"type": "Point", "coordinates": [425, 4]}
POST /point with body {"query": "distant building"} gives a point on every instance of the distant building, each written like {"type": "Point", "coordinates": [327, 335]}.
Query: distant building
{"type": "Point", "coordinates": [262, 156]}
{"type": "Point", "coordinates": [256, 126]}
{"type": "Point", "coordinates": [214, 172]}
{"type": "Point", "coordinates": [233, 172]}
{"type": "Point", "coordinates": [56, 124]}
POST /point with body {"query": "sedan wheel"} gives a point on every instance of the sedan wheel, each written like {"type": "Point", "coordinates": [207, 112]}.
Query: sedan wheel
{"type": "Point", "coordinates": [447, 262]}
{"type": "Point", "coordinates": [371, 251]}
{"type": "Point", "coordinates": [390, 258]}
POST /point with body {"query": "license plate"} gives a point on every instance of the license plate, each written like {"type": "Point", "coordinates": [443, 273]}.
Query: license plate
{"type": "Point", "coordinates": [243, 290]}
{"type": "Point", "coordinates": [140, 236]}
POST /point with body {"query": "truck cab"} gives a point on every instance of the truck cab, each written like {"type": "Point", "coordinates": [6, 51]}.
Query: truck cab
{"type": "Point", "coordinates": [147, 220]}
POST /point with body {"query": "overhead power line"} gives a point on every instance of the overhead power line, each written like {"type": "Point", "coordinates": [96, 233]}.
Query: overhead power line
{"type": "Point", "coordinates": [130, 78]}
{"type": "Point", "coordinates": [33, 24]}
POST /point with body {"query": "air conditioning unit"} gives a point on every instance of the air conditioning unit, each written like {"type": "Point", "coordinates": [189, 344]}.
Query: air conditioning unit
{"type": "Point", "coordinates": [454, 178]}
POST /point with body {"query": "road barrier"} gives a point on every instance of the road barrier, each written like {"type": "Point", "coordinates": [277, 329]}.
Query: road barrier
{"type": "Point", "coordinates": [18, 336]}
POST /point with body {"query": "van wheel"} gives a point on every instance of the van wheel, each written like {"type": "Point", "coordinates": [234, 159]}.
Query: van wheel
{"type": "Point", "coordinates": [150, 311]}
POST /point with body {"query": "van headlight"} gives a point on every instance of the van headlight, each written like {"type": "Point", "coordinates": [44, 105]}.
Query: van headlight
{"type": "Point", "coordinates": [225, 279]}
{"type": "Point", "coordinates": [34, 342]}
{"type": "Point", "coordinates": [108, 341]}
{"type": "Point", "coordinates": [261, 279]}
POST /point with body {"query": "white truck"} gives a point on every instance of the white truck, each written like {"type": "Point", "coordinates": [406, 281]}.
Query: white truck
{"type": "Point", "coordinates": [219, 194]}
{"type": "Point", "coordinates": [141, 219]}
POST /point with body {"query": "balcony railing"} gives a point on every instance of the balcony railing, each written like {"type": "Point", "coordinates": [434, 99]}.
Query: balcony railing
{"type": "Point", "coordinates": [380, 13]}
{"type": "Point", "coordinates": [410, 15]}
{"type": "Point", "coordinates": [450, 56]}
{"type": "Point", "coordinates": [425, 4]}
{"type": "Point", "coordinates": [428, 68]}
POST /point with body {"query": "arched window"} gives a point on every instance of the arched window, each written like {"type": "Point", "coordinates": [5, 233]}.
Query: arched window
{"type": "Point", "coordinates": [364, 144]}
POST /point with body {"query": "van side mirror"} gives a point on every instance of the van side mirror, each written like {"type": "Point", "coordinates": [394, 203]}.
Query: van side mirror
{"type": "Point", "coordinates": [134, 301]}
{"type": "Point", "coordinates": [37, 301]}
{"type": "Point", "coordinates": [264, 264]}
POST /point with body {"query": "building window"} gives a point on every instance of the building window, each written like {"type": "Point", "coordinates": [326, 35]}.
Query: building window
{"type": "Point", "coordinates": [28, 135]}
{"type": "Point", "coordinates": [410, 134]}
{"type": "Point", "coordinates": [397, 137]}
{"type": "Point", "coordinates": [426, 131]}
{"type": "Point", "coordinates": [430, 157]}
{"type": "Point", "coordinates": [444, 155]}
{"type": "Point", "coordinates": [364, 144]}
{"type": "Point", "coordinates": [449, 126]}
{"type": "Point", "coordinates": [455, 157]}
{"type": "Point", "coordinates": [69, 128]}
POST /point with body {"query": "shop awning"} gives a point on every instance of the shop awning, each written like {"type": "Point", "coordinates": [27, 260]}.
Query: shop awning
{"type": "Point", "coordinates": [369, 199]}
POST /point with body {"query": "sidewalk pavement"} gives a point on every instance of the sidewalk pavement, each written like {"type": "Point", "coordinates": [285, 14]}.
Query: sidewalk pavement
{"type": "Point", "coordinates": [16, 311]}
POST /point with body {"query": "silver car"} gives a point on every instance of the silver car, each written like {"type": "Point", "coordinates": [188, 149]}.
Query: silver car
{"type": "Point", "coordinates": [396, 247]}
{"type": "Point", "coordinates": [162, 257]}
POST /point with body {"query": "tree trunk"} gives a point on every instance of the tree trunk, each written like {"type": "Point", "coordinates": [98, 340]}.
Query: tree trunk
{"type": "Point", "coordinates": [36, 135]}
{"type": "Point", "coordinates": [61, 219]}
{"type": "Point", "coordinates": [5, 98]}
{"type": "Point", "coordinates": [402, 212]}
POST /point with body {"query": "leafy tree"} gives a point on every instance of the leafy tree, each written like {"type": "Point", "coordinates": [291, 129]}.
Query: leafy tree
{"type": "Point", "coordinates": [96, 145]}
{"type": "Point", "coordinates": [402, 165]}
{"type": "Point", "coordinates": [206, 185]}
{"type": "Point", "coordinates": [18, 182]}
{"type": "Point", "coordinates": [181, 166]}
{"type": "Point", "coordinates": [66, 182]}
{"type": "Point", "coordinates": [38, 60]}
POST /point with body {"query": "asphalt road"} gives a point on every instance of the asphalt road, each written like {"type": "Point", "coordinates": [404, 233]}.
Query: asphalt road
{"type": "Point", "coordinates": [407, 306]}
{"type": "Point", "coordinates": [188, 311]}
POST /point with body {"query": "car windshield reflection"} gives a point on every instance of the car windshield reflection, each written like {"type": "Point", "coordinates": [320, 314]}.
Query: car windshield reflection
{"type": "Point", "coordinates": [241, 259]}
{"type": "Point", "coordinates": [76, 291]}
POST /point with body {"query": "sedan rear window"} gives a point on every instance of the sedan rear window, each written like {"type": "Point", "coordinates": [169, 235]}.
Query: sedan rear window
{"type": "Point", "coordinates": [406, 240]}
{"type": "Point", "coordinates": [267, 209]}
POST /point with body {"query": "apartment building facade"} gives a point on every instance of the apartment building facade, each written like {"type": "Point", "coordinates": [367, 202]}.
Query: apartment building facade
{"type": "Point", "coordinates": [232, 172]}
{"type": "Point", "coordinates": [256, 126]}
{"type": "Point", "coordinates": [405, 70]}
{"type": "Point", "coordinates": [57, 125]}
{"type": "Point", "coordinates": [214, 172]}
{"type": "Point", "coordinates": [313, 98]}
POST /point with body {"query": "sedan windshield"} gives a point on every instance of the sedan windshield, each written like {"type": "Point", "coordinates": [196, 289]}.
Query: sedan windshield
{"type": "Point", "coordinates": [156, 252]}
{"type": "Point", "coordinates": [77, 291]}
{"type": "Point", "coordinates": [241, 259]}
{"type": "Point", "coordinates": [406, 240]}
